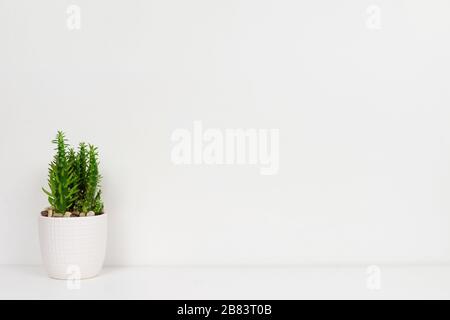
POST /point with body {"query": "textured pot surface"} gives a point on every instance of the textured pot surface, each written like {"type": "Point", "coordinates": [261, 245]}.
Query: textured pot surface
{"type": "Point", "coordinates": [73, 248]}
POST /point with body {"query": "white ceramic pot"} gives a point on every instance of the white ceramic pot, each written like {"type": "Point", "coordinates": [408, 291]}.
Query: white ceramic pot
{"type": "Point", "coordinates": [73, 247]}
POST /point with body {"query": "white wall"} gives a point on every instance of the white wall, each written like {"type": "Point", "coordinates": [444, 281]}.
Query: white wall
{"type": "Point", "coordinates": [363, 116]}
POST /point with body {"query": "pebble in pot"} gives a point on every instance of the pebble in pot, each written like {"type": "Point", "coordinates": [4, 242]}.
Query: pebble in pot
{"type": "Point", "coordinates": [90, 214]}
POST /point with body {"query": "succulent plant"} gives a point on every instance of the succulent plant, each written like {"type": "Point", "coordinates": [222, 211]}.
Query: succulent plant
{"type": "Point", "coordinates": [74, 179]}
{"type": "Point", "coordinates": [92, 196]}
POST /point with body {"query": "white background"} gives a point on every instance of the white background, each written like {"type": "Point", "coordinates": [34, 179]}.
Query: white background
{"type": "Point", "coordinates": [363, 117]}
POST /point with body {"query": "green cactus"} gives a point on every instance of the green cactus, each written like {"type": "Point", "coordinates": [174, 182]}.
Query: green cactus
{"type": "Point", "coordinates": [62, 179]}
{"type": "Point", "coordinates": [92, 196]}
{"type": "Point", "coordinates": [74, 178]}
{"type": "Point", "coordinates": [82, 158]}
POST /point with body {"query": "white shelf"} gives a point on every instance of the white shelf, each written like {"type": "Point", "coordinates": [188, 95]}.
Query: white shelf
{"type": "Point", "coordinates": [415, 282]}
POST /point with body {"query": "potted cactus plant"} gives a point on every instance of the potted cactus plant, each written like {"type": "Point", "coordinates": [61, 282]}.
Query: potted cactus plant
{"type": "Point", "coordinates": [72, 230]}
